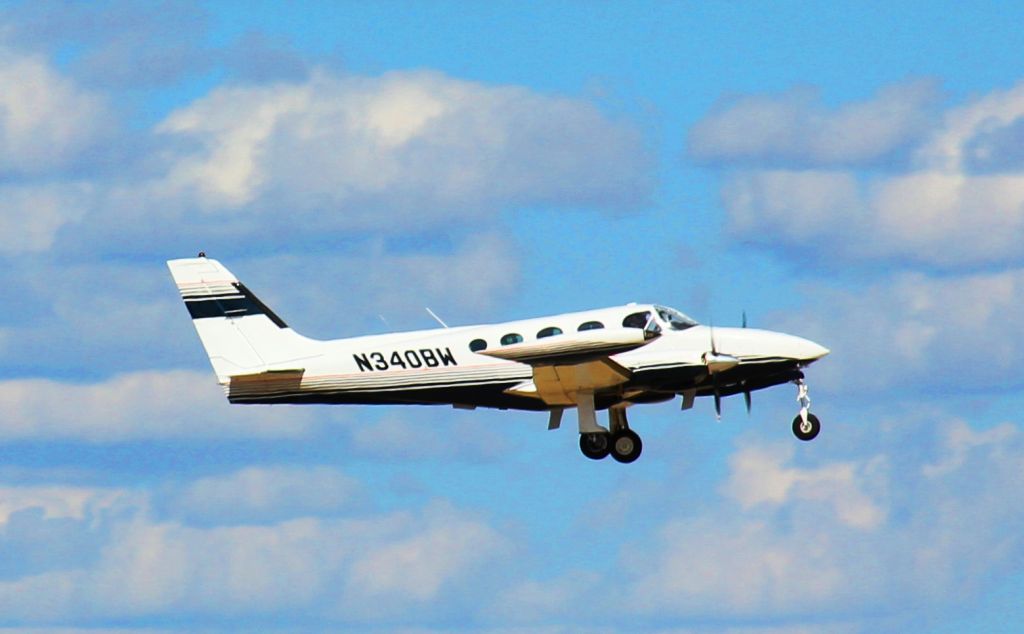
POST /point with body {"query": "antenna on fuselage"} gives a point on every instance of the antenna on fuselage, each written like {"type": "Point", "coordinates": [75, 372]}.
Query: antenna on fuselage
{"type": "Point", "coordinates": [436, 318]}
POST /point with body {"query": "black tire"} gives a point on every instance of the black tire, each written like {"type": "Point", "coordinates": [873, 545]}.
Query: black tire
{"type": "Point", "coordinates": [813, 424]}
{"type": "Point", "coordinates": [626, 446]}
{"type": "Point", "coordinates": [595, 445]}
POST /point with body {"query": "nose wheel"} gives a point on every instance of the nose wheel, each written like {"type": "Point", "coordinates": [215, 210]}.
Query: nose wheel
{"type": "Point", "coordinates": [806, 425]}
{"type": "Point", "coordinates": [806, 429]}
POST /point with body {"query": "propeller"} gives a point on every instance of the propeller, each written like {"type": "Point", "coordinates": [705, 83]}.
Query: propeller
{"type": "Point", "coordinates": [744, 319]}
{"type": "Point", "coordinates": [716, 362]}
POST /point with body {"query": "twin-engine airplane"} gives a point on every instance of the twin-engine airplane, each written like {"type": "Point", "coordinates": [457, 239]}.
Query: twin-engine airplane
{"type": "Point", "coordinates": [610, 358]}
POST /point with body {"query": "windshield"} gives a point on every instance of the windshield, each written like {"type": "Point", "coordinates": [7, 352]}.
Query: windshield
{"type": "Point", "coordinates": [675, 319]}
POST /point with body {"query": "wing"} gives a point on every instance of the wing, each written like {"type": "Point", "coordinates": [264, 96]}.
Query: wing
{"type": "Point", "coordinates": [568, 364]}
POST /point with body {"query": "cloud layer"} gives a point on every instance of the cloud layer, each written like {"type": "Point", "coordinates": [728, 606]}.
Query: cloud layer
{"type": "Point", "coordinates": [385, 567]}
{"type": "Point", "coordinates": [955, 202]}
{"type": "Point", "coordinates": [881, 534]}
{"type": "Point", "coordinates": [932, 335]}
{"type": "Point", "coordinates": [47, 122]}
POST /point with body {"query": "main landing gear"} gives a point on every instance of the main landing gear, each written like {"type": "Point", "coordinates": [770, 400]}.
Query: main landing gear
{"type": "Point", "coordinates": [806, 425]}
{"type": "Point", "coordinates": [619, 441]}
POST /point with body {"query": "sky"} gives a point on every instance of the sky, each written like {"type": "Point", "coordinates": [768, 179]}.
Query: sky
{"type": "Point", "coordinates": [849, 172]}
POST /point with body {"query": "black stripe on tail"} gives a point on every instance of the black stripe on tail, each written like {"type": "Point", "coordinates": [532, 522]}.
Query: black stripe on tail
{"type": "Point", "coordinates": [238, 304]}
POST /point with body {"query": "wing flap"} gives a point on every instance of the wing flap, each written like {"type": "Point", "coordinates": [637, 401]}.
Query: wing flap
{"type": "Point", "coordinates": [559, 384]}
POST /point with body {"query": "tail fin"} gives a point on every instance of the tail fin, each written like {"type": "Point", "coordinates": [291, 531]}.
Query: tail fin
{"type": "Point", "coordinates": [240, 333]}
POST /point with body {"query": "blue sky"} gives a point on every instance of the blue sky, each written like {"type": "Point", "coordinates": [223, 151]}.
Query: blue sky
{"type": "Point", "coordinates": [849, 173]}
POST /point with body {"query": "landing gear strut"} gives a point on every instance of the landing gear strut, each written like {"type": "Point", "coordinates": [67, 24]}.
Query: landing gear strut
{"type": "Point", "coordinates": [806, 425]}
{"type": "Point", "coordinates": [621, 442]}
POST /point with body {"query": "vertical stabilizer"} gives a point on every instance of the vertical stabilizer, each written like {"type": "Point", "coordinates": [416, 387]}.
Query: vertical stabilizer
{"type": "Point", "coordinates": [240, 333]}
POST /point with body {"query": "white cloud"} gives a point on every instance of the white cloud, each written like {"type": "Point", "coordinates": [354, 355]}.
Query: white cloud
{"type": "Point", "coordinates": [46, 121]}
{"type": "Point", "coordinates": [913, 331]}
{"type": "Point", "coordinates": [360, 152]}
{"type": "Point", "coordinates": [31, 215]}
{"type": "Point", "coordinates": [759, 475]}
{"type": "Point", "coordinates": [417, 567]}
{"type": "Point", "coordinates": [796, 547]}
{"type": "Point", "coordinates": [56, 500]}
{"type": "Point", "coordinates": [956, 202]}
{"type": "Point", "coordinates": [797, 128]}
{"type": "Point", "coordinates": [172, 404]}
{"type": "Point", "coordinates": [259, 494]}
{"type": "Point", "coordinates": [937, 219]}
{"type": "Point", "coordinates": [382, 568]}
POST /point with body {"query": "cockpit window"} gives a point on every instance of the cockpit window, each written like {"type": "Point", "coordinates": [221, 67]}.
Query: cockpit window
{"type": "Point", "coordinates": [637, 320]}
{"type": "Point", "coordinates": [675, 319]}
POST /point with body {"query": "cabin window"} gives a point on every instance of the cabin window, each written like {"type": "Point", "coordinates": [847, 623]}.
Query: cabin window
{"type": "Point", "coordinates": [550, 331]}
{"type": "Point", "coordinates": [637, 320]}
{"type": "Point", "coordinates": [477, 345]}
{"type": "Point", "coordinates": [510, 338]}
{"type": "Point", "coordinates": [590, 325]}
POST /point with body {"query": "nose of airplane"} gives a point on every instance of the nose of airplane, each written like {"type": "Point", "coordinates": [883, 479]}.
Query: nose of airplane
{"type": "Point", "coordinates": [803, 349]}
{"type": "Point", "coordinates": [752, 342]}
{"type": "Point", "coordinates": [817, 350]}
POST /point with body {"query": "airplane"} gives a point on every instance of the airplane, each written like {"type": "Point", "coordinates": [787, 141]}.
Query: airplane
{"type": "Point", "coordinates": [605, 359]}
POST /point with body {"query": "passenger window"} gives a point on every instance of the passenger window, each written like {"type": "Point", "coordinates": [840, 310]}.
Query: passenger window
{"type": "Point", "coordinates": [511, 338]}
{"type": "Point", "coordinates": [549, 332]}
{"type": "Point", "coordinates": [477, 345]}
{"type": "Point", "coordinates": [590, 325]}
{"type": "Point", "coordinates": [637, 320]}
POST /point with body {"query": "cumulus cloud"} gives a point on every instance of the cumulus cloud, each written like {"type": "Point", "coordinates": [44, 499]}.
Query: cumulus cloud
{"type": "Point", "coordinates": [760, 476]}
{"type": "Point", "coordinates": [419, 146]}
{"type": "Point", "coordinates": [797, 128]}
{"type": "Point", "coordinates": [797, 545]}
{"type": "Point", "coordinates": [116, 43]}
{"type": "Point", "coordinates": [945, 220]}
{"type": "Point", "coordinates": [383, 567]}
{"type": "Point", "coordinates": [261, 494]}
{"type": "Point", "coordinates": [55, 501]}
{"type": "Point", "coordinates": [153, 404]}
{"type": "Point", "coordinates": [957, 202]}
{"type": "Point", "coordinates": [32, 215]}
{"type": "Point", "coordinates": [917, 332]}
{"type": "Point", "coordinates": [47, 122]}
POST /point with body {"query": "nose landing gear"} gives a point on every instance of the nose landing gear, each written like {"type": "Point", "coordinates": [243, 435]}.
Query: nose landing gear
{"type": "Point", "coordinates": [806, 425]}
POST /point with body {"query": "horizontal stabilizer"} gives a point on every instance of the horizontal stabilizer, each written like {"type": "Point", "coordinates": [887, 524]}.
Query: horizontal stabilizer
{"type": "Point", "coordinates": [264, 384]}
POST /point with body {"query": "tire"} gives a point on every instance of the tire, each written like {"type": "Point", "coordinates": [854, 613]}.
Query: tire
{"type": "Point", "coordinates": [626, 446]}
{"type": "Point", "coordinates": [595, 445]}
{"type": "Point", "coordinates": [813, 424]}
